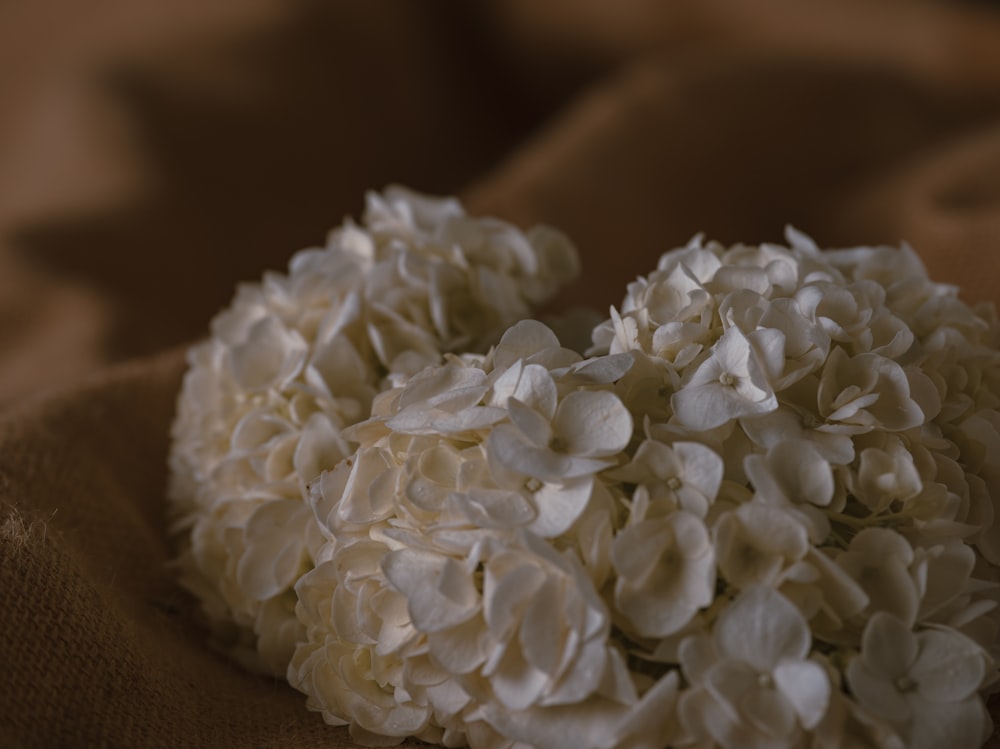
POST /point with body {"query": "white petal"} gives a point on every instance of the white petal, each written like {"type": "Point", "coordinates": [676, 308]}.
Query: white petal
{"type": "Point", "coordinates": [948, 666]}
{"type": "Point", "coordinates": [890, 588]}
{"type": "Point", "coordinates": [947, 575]}
{"type": "Point", "coordinates": [400, 345]}
{"type": "Point", "coordinates": [440, 593]}
{"type": "Point", "coordinates": [756, 542]}
{"type": "Point", "coordinates": [728, 680]}
{"type": "Point", "coordinates": [732, 351]}
{"type": "Point", "coordinates": [841, 594]}
{"type": "Point", "coordinates": [505, 593]}
{"type": "Point", "coordinates": [584, 676]}
{"type": "Point", "coordinates": [495, 508]}
{"type": "Point", "coordinates": [696, 654]}
{"type": "Point", "coordinates": [637, 549]}
{"type": "Point", "coordinates": [705, 407]}
{"type": "Point", "coordinates": [361, 501]}
{"type": "Point", "coordinates": [806, 686]}
{"type": "Point", "coordinates": [599, 371]}
{"type": "Point", "coordinates": [710, 722]}
{"type": "Point", "coordinates": [666, 573]}
{"type": "Point", "coordinates": [651, 722]}
{"type": "Point", "coordinates": [956, 725]}
{"type": "Point", "coordinates": [876, 693]}
{"type": "Point", "coordinates": [801, 241]}
{"type": "Point", "coordinates": [559, 505]}
{"type": "Point", "coordinates": [416, 420]}
{"type": "Point", "coordinates": [521, 341]}
{"type": "Point", "coordinates": [592, 424]}
{"type": "Point", "coordinates": [320, 448]}
{"type": "Point", "coordinates": [802, 473]}
{"type": "Point", "coordinates": [462, 648]}
{"type": "Point", "coordinates": [761, 627]}
{"type": "Point", "coordinates": [532, 384]}
{"type": "Point", "coordinates": [271, 355]}
{"type": "Point", "coordinates": [768, 711]}
{"type": "Point", "coordinates": [275, 538]}
{"type": "Point", "coordinates": [512, 452]}
{"type": "Point", "coordinates": [702, 467]}
{"type": "Point", "coordinates": [516, 683]}
{"type": "Point", "coordinates": [257, 428]}
{"type": "Point", "coordinates": [888, 646]}
{"type": "Point", "coordinates": [541, 635]}
{"type": "Point", "coordinates": [533, 425]}
{"type": "Point", "coordinates": [436, 382]}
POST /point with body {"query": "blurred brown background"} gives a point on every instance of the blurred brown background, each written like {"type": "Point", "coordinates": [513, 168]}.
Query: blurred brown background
{"type": "Point", "coordinates": [152, 154]}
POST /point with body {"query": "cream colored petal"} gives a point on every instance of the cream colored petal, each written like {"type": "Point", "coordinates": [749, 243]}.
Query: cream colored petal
{"type": "Point", "coordinates": [761, 627]}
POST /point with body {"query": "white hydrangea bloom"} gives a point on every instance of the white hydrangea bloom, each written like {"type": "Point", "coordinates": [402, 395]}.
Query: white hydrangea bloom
{"type": "Point", "coordinates": [879, 559]}
{"type": "Point", "coordinates": [299, 357]}
{"type": "Point", "coordinates": [666, 572]}
{"type": "Point", "coordinates": [465, 553]}
{"type": "Point", "coordinates": [762, 513]}
{"type": "Point", "coordinates": [837, 389]}
{"type": "Point", "coordinates": [684, 475]}
{"type": "Point", "coordinates": [924, 683]}
{"type": "Point", "coordinates": [757, 543]}
{"type": "Point", "coordinates": [752, 682]}
{"type": "Point", "coordinates": [729, 384]}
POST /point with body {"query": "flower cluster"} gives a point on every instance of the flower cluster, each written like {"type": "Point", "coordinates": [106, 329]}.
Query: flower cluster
{"type": "Point", "coordinates": [759, 512]}
{"type": "Point", "coordinates": [299, 357]}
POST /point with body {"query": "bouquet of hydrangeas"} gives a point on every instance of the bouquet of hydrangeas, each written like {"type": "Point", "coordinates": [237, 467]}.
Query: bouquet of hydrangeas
{"type": "Point", "coordinates": [757, 512]}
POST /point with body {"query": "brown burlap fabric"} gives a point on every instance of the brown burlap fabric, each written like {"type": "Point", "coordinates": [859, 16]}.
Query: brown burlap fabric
{"type": "Point", "coordinates": [152, 155]}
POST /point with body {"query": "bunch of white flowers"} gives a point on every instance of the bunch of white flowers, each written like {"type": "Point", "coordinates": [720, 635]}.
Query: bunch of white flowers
{"type": "Point", "coordinates": [299, 357]}
{"type": "Point", "coordinates": [758, 513]}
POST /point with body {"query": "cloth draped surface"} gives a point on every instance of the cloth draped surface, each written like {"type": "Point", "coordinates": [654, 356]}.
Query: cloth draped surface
{"type": "Point", "coordinates": [152, 155]}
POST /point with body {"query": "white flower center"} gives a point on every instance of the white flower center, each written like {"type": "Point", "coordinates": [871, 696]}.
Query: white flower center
{"type": "Point", "coordinates": [810, 421]}
{"type": "Point", "coordinates": [532, 484]}
{"type": "Point", "coordinates": [905, 684]}
{"type": "Point", "coordinates": [727, 379]}
{"type": "Point", "coordinates": [673, 483]}
{"type": "Point", "coordinates": [765, 680]}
